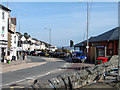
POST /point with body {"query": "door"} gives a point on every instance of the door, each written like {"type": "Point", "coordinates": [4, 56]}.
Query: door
{"type": "Point", "coordinates": [2, 54]}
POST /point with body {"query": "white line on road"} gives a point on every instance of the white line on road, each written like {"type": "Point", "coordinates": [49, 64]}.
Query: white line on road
{"type": "Point", "coordinates": [35, 77]}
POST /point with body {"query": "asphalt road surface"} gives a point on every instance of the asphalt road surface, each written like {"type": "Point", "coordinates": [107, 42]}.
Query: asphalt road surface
{"type": "Point", "coordinates": [41, 70]}
{"type": "Point", "coordinates": [52, 68]}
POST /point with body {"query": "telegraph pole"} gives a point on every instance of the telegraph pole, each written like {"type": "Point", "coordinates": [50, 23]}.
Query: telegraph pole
{"type": "Point", "coordinates": [19, 24]}
{"type": "Point", "coordinates": [119, 42]}
{"type": "Point", "coordinates": [50, 38]}
{"type": "Point", "coordinates": [87, 29]}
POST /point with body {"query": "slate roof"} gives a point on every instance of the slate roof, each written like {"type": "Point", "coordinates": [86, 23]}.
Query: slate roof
{"type": "Point", "coordinates": [107, 36]}
{"type": "Point", "coordinates": [80, 44]}
{"type": "Point", "coordinates": [4, 8]}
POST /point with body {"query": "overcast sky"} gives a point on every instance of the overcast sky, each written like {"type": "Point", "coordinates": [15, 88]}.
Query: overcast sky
{"type": "Point", "coordinates": [67, 20]}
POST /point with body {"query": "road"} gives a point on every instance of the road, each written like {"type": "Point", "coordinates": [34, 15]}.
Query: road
{"type": "Point", "coordinates": [51, 68]}
{"type": "Point", "coordinates": [41, 70]}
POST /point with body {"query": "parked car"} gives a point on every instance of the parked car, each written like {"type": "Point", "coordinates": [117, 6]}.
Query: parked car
{"type": "Point", "coordinates": [56, 55]}
{"type": "Point", "coordinates": [62, 55]}
{"type": "Point", "coordinates": [47, 54]}
{"type": "Point", "coordinates": [28, 53]}
{"type": "Point", "coordinates": [51, 54]}
{"type": "Point", "coordinates": [38, 53]}
{"type": "Point", "coordinates": [32, 53]}
{"type": "Point", "coordinates": [78, 56]}
{"type": "Point", "coordinates": [42, 54]}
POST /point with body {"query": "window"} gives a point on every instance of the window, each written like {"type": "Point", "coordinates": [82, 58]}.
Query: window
{"type": "Point", "coordinates": [3, 30]}
{"type": "Point", "coordinates": [3, 15]}
{"type": "Point", "coordinates": [14, 39]}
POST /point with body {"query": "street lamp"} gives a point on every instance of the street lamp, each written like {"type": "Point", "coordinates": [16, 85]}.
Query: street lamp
{"type": "Point", "coordinates": [49, 36]}
{"type": "Point", "coordinates": [19, 32]}
{"type": "Point", "coordinates": [19, 21]}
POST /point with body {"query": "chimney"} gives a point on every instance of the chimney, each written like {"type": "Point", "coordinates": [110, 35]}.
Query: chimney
{"type": "Point", "coordinates": [7, 5]}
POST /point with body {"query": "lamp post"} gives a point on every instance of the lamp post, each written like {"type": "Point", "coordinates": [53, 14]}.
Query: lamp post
{"type": "Point", "coordinates": [19, 21]}
{"type": "Point", "coordinates": [49, 36]}
{"type": "Point", "coordinates": [19, 32]}
{"type": "Point", "coordinates": [118, 77]}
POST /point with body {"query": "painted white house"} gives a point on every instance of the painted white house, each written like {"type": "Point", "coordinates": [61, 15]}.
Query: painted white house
{"type": "Point", "coordinates": [42, 46]}
{"type": "Point", "coordinates": [25, 44]}
{"type": "Point", "coordinates": [3, 31]}
{"type": "Point", "coordinates": [33, 41]}
{"type": "Point", "coordinates": [12, 38]}
{"type": "Point", "coordinates": [13, 48]}
{"type": "Point", "coordinates": [32, 47]}
{"type": "Point", "coordinates": [19, 45]}
{"type": "Point", "coordinates": [53, 48]}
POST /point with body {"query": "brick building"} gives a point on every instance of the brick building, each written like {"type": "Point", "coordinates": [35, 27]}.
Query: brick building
{"type": "Point", "coordinates": [108, 39]}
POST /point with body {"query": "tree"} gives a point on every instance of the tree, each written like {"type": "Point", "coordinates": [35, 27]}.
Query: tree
{"type": "Point", "coordinates": [26, 35]}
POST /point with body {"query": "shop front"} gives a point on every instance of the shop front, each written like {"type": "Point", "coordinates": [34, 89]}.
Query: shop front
{"type": "Point", "coordinates": [3, 50]}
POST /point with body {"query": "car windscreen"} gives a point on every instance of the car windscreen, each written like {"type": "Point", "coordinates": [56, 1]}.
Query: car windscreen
{"type": "Point", "coordinates": [62, 53]}
{"type": "Point", "coordinates": [79, 54]}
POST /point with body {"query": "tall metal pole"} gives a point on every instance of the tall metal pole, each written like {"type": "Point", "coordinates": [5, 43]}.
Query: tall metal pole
{"type": "Point", "coordinates": [19, 24]}
{"type": "Point", "coordinates": [119, 41]}
{"type": "Point", "coordinates": [87, 28]}
{"type": "Point", "coordinates": [49, 38]}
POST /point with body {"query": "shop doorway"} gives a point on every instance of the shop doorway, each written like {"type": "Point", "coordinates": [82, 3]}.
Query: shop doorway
{"type": "Point", "coordinates": [2, 54]}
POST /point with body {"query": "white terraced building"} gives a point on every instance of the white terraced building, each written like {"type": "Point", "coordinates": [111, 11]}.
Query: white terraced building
{"type": "Point", "coordinates": [3, 31]}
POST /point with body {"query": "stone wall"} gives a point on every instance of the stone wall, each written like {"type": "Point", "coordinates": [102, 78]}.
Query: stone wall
{"type": "Point", "coordinates": [79, 78]}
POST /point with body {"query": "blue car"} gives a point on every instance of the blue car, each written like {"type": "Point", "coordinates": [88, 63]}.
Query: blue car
{"type": "Point", "coordinates": [78, 56]}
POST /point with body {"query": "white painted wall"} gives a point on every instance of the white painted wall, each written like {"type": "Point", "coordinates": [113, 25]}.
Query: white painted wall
{"type": "Point", "coordinates": [53, 48]}
{"type": "Point", "coordinates": [14, 43]}
{"type": "Point", "coordinates": [5, 24]}
{"type": "Point", "coordinates": [25, 47]}
{"type": "Point", "coordinates": [42, 46]}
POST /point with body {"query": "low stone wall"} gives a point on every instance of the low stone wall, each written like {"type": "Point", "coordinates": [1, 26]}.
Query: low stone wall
{"type": "Point", "coordinates": [79, 78]}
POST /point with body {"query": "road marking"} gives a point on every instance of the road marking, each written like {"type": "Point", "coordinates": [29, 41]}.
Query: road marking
{"type": "Point", "coordinates": [33, 77]}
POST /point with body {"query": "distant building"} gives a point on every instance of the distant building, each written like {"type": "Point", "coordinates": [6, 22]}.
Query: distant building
{"type": "Point", "coordinates": [53, 48]}
{"type": "Point", "coordinates": [4, 12]}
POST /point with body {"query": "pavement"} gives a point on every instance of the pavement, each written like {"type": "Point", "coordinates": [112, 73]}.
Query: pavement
{"type": "Point", "coordinates": [14, 65]}
{"type": "Point", "coordinates": [17, 62]}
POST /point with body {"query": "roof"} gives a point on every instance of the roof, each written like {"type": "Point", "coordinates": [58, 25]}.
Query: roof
{"type": "Point", "coordinates": [107, 36]}
{"type": "Point", "coordinates": [81, 43]}
{"type": "Point", "coordinates": [4, 8]}
{"type": "Point", "coordinates": [35, 39]}
{"type": "Point", "coordinates": [13, 21]}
